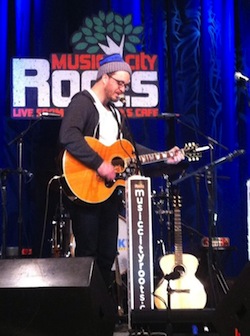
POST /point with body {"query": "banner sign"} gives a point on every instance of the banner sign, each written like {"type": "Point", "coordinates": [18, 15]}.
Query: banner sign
{"type": "Point", "coordinates": [139, 218]}
{"type": "Point", "coordinates": [248, 217]}
{"type": "Point", "coordinates": [47, 86]}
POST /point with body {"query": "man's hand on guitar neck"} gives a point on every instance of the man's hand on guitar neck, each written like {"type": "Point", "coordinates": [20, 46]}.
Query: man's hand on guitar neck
{"type": "Point", "coordinates": [107, 171]}
{"type": "Point", "coordinates": [175, 155]}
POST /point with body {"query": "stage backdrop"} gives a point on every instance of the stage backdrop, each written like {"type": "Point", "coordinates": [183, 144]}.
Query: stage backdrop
{"type": "Point", "coordinates": [199, 45]}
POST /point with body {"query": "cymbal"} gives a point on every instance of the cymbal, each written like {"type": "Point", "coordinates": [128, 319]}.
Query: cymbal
{"type": "Point", "coordinates": [161, 168]}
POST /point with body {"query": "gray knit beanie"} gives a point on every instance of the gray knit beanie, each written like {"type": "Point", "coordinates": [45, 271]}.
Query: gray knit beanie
{"type": "Point", "coordinates": [112, 63]}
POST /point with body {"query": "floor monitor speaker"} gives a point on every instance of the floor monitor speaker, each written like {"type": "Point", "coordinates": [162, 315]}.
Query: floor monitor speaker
{"type": "Point", "coordinates": [233, 311]}
{"type": "Point", "coordinates": [54, 296]}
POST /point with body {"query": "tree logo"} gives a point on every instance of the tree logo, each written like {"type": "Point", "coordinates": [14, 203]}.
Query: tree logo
{"type": "Point", "coordinates": [109, 33]}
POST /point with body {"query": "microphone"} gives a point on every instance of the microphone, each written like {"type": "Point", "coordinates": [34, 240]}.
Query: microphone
{"type": "Point", "coordinates": [238, 76]}
{"type": "Point", "coordinates": [122, 99]}
{"type": "Point", "coordinates": [168, 115]}
{"type": "Point", "coordinates": [50, 114]}
{"type": "Point", "coordinates": [173, 276]}
{"type": "Point", "coordinates": [236, 153]}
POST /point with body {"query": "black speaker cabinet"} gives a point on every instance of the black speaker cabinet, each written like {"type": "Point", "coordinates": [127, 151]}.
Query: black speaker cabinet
{"type": "Point", "coordinates": [54, 296]}
{"type": "Point", "coordinates": [234, 309]}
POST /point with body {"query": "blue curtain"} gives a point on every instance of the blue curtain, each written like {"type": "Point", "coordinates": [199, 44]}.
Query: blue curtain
{"type": "Point", "coordinates": [200, 45]}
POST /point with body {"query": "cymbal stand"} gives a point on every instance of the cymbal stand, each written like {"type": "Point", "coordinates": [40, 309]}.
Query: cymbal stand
{"type": "Point", "coordinates": [168, 212]}
{"type": "Point", "coordinates": [159, 204]}
{"type": "Point", "coordinates": [163, 208]}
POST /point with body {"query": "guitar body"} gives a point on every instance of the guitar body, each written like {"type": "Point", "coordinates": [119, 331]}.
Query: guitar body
{"type": "Point", "coordinates": [187, 292]}
{"type": "Point", "coordinates": [83, 183]}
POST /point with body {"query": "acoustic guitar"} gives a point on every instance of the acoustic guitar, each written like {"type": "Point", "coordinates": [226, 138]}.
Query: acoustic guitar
{"type": "Point", "coordinates": [179, 288]}
{"type": "Point", "coordinates": [84, 184]}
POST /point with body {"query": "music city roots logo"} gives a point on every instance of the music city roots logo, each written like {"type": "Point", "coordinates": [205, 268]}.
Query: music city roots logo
{"type": "Point", "coordinates": [41, 85]}
{"type": "Point", "coordinates": [139, 196]}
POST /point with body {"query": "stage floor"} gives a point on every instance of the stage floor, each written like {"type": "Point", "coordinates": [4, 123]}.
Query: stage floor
{"type": "Point", "coordinates": [164, 323]}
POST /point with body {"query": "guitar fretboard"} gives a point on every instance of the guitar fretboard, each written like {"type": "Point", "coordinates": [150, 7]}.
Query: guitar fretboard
{"type": "Point", "coordinates": [178, 236]}
{"type": "Point", "coordinates": [153, 157]}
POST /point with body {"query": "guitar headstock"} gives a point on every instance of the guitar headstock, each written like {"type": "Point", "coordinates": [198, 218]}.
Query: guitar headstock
{"type": "Point", "coordinates": [190, 151]}
{"type": "Point", "coordinates": [177, 201]}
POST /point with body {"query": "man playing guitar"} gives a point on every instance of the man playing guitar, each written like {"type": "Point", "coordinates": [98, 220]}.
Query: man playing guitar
{"type": "Point", "coordinates": [91, 114]}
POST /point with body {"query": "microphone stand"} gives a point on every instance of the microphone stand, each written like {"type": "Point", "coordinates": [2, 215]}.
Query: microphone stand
{"type": "Point", "coordinates": [211, 179]}
{"type": "Point", "coordinates": [138, 162]}
{"type": "Point", "coordinates": [217, 162]}
{"type": "Point", "coordinates": [207, 169]}
{"type": "Point", "coordinates": [211, 182]}
{"type": "Point", "coordinates": [19, 140]}
{"type": "Point", "coordinates": [3, 175]}
{"type": "Point", "coordinates": [210, 140]}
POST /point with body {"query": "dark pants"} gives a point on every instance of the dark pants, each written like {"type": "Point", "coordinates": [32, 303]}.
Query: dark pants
{"type": "Point", "coordinates": [95, 228]}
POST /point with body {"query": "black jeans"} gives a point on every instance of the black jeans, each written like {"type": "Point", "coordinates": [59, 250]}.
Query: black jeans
{"type": "Point", "coordinates": [95, 227]}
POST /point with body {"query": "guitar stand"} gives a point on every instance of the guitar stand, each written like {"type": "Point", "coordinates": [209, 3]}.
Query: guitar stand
{"type": "Point", "coordinates": [169, 293]}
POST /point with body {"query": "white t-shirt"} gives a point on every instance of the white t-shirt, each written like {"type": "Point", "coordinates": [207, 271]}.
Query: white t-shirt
{"type": "Point", "coordinates": [108, 126]}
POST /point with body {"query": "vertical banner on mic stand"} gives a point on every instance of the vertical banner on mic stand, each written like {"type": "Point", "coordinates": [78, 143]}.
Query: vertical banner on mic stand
{"type": "Point", "coordinates": [140, 266]}
{"type": "Point", "coordinates": [248, 217]}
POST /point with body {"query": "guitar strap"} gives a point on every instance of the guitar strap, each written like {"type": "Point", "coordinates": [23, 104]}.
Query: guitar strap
{"type": "Point", "coordinates": [117, 117]}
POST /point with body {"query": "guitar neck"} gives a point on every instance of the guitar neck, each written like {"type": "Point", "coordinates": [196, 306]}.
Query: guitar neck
{"type": "Point", "coordinates": [154, 157]}
{"type": "Point", "coordinates": [190, 151]}
{"type": "Point", "coordinates": [178, 236]}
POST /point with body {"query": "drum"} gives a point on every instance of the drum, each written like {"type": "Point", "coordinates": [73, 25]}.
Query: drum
{"type": "Point", "coordinates": [122, 245]}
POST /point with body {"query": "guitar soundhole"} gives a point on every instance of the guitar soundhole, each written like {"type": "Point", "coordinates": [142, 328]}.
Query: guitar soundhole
{"type": "Point", "coordinates": [109, 184]}
{"type": "Point", "coordinates": [118, 163]}
{"type": "Point", "coordinates": [180, 269]}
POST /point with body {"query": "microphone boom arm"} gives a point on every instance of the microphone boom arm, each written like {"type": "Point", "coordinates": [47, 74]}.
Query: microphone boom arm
{"type": "Point", "coordinates": [228, 157]}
